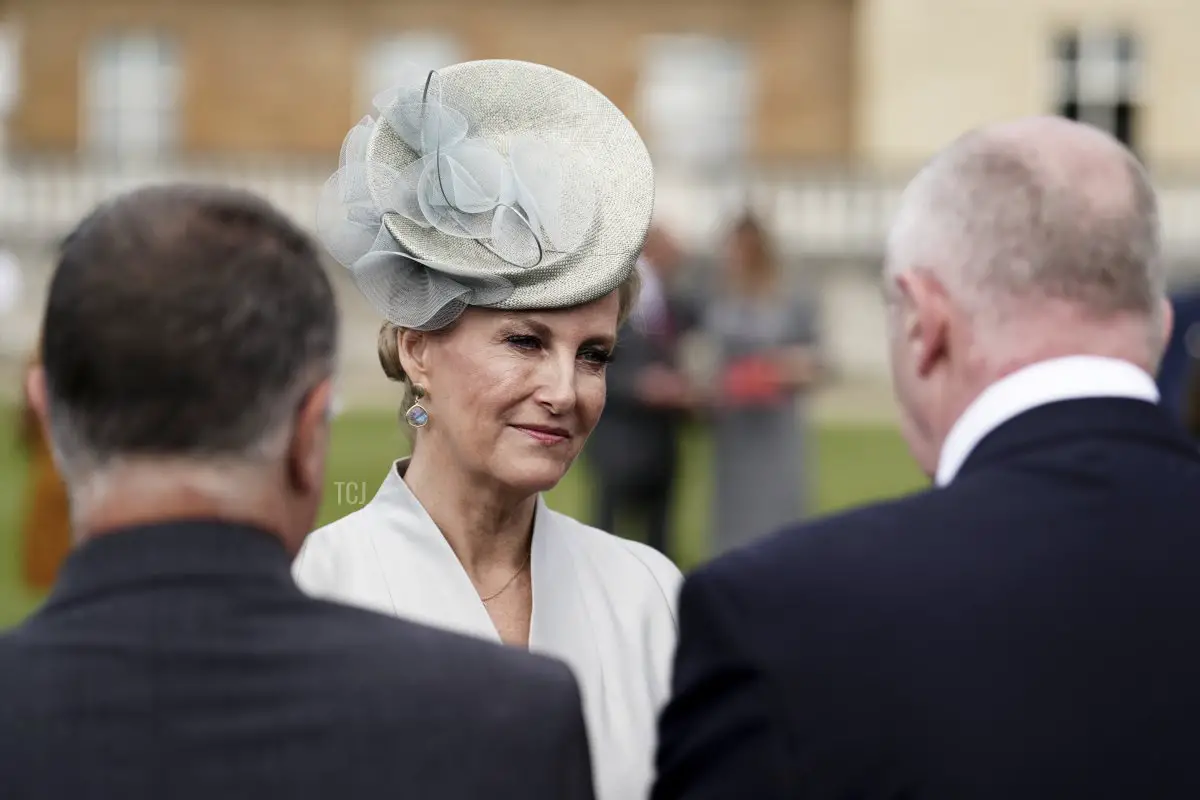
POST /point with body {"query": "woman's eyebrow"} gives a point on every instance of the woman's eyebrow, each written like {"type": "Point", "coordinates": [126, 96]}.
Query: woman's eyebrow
{"type": "Point", "coordinates": [607, 340]}
{"type": "Point", "coordinates": [541, 329]}
{"type": "Point", "coordinates": [536, 326]}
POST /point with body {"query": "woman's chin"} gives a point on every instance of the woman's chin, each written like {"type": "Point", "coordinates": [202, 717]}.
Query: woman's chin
{"type": "Point", "coordinates": [529, 472]}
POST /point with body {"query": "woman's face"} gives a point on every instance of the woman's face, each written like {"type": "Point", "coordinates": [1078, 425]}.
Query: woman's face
{"type": "Point", "coordinates": [513, 396]}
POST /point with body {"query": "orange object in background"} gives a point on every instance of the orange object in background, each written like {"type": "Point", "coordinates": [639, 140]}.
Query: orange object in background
{"type": "Point", "coordinates": [46, 529]}
{"type": "Point", "coordinates": [753, 381]}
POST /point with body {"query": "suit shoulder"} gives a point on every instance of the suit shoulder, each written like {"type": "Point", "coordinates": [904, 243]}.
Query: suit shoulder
{"type": "Point", "coordinates": [8, 644]}
{"type": "Point", "coordinates": [380, 642]}
{"type": "Point", "coordinates": [838, 542]}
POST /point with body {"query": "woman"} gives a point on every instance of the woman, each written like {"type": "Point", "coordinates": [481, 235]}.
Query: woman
{"type": "Point", "coordinates": [765, 346]}
{"type": "Point", "coordinates": [493, 216]}
{"type": "Point", "coordinates": [46, 533]}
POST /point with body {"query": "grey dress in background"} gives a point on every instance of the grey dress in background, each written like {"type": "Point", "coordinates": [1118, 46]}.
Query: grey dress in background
{"type": "Point", "coordinates": [759, 450]}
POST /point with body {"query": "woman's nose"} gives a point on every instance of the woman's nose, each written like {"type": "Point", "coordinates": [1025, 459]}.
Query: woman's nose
{"type": "Point", "coordinates": [557, 384]}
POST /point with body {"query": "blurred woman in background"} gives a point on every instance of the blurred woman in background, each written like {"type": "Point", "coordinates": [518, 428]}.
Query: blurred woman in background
{"type": "Point", "coordinates": [46, 529]}
{"type": "Point", "coordinates": [765, 341]}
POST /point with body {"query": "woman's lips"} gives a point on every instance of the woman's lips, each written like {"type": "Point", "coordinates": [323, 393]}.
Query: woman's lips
{"type": "Point", "coordinates": [544, 434]}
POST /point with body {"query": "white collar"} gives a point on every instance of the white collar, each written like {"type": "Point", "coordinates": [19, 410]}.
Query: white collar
{"type": "Point", "coordinates": [442, 595]}
{"type": "Point", "coordinates": [425, 580]}
{"type": "Point", "coordinates": [1067, 378]}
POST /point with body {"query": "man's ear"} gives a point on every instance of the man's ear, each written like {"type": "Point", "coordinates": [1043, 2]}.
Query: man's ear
{"type": "Point", "coordinates": [36, 398]}
{"type": "Point", "coordinates": [309, 444]}
{"type": "Point", "coordinates": [1168, 320]}
{"type": "Point", "coordinates": [926, 317]}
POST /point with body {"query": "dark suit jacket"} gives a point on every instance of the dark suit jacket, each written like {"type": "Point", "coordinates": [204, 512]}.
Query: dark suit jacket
{"type": "Point", "coordinates": [634, 443]}
{"type": "Point", "coordinates": [181, 661]}
{"type": "Point", "coordinates": [1030, 631]}
{"type": "Point", "coordinates": [1191, 400]}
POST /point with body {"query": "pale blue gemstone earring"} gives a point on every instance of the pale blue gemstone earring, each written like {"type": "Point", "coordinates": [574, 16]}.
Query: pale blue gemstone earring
{"type": "Point", "coordinates": [416, 415]}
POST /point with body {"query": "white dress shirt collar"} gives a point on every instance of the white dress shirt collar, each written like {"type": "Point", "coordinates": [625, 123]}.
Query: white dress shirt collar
{"type": "Point", "coordinates": [1068, 378]}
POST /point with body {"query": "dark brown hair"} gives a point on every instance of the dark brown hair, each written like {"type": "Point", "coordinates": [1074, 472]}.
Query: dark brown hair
{"type": "Point", "coordinates": [184, 321]}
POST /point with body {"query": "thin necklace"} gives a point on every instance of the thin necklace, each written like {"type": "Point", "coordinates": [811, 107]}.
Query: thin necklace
{"type": "Point", "coordinates": [524, 564]}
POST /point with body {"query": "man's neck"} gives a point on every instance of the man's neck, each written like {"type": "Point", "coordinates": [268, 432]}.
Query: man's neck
{"type": "Point", "coordinates": [133, 494]}
{"type": "Point", "coordinates": [1029, 385]}
{"type": "Point", "coordinates": [1060, 332]}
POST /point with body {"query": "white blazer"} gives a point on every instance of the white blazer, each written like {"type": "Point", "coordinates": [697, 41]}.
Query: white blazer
{"type": "Point", "coordinates": [602, 604]}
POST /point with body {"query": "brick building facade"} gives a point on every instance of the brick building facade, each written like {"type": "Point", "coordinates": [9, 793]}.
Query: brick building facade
{"type": "Point", "coordinates": [290, 76]}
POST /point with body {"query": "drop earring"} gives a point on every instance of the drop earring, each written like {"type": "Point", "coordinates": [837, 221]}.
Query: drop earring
{"type": "Point", "coordinates": [417, 416]}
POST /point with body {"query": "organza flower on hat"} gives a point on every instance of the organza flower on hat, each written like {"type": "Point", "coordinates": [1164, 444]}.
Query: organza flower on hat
{"type": "Point", "coordinates": [522, 198]}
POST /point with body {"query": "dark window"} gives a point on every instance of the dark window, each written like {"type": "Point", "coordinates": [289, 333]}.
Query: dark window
{"type": "Point", "coordinates": [1098, 81]}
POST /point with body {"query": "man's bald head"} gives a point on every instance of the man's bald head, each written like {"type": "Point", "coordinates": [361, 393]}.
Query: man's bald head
{"type": "Point", "coordinates": [1040, 209]}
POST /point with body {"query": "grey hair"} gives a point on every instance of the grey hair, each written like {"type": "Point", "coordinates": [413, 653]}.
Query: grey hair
{"type": "Point", "coordinates": [266, 424]}
{"type": "Point", "coordinates": [1002, 227]}
{"type": "Point", "coordinates": [183, 323]}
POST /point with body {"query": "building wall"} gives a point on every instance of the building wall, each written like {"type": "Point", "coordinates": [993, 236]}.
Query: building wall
{"type": "Point", "coordinates": [270, 75]}
{"type": "Point", "coordinates": [930, 69]}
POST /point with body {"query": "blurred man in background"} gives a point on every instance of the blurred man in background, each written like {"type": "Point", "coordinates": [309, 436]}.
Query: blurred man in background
{"type": "Point", "coordinates": [1191, 401]}
{"type": "Point", "coordinates": [1183, 349]}
{"type": "Point", "coordinates": [1028, 628]}
{"type": "Point", "coordinates": [185, 386]}
{"type": "Point", "coordinates": [634, 449]}
{"type": "Point", "coordinates": [46, 525]}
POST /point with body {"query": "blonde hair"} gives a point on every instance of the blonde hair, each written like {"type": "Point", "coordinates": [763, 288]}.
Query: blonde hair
{"type": "Point", "coordinates": [389, 338]}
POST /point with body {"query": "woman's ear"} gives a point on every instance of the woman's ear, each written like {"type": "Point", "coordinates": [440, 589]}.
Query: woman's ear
{"type": "Point", "coordinates": [414, 354]}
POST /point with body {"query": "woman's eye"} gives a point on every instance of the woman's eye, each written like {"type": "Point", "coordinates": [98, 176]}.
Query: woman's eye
{"type": "Point", "coordinates": [597, 356]}
{"type": "Point", "coordinates": [525, 342]}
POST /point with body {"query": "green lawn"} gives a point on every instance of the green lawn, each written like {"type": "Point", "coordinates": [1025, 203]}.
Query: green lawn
{"type": "Point", "coordinates": [852, 464]}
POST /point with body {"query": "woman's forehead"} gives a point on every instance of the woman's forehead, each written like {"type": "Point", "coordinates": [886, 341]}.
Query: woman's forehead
{"type": "Point", "coordinates": [598, 318]}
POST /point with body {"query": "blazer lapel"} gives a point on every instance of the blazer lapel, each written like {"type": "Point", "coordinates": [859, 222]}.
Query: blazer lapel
{"type": "Point", "coordinates": [562, 623]}
{"type": "Point", "coordinates": [425, 580]}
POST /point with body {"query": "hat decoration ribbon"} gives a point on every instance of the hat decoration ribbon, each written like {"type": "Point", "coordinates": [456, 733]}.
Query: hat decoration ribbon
{"type": "Point", "coordinates": [510, 200]}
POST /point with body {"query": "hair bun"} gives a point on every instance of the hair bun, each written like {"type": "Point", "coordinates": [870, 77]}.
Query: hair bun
{"type": "Point", "coordinates": [389, 352]}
